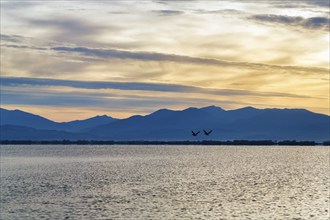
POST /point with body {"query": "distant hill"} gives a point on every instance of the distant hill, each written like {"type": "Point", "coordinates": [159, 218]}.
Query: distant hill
{"type": "Point", "coordinates": [13, 132]}
{"type": "Point", "coordinates": [81, 125]}
{"type": "Point", "coordinates": [21, 118]}
{"type": "Point", "coordinates": [246, 123]}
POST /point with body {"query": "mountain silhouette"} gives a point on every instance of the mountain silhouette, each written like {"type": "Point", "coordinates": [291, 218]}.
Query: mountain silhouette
{"type": "Point", "coordinates": [21, 118]}
{"type": "Point", "coordinates": [245, 123]}
{"type": "Point", "coordinates": [25, 119]}
{"type": "Point", "coordinates": [81, 125]}
{"type": "Point", "coordinates": [13, 132]}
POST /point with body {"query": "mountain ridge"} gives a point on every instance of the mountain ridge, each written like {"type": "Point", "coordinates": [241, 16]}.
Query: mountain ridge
{"type": "Point", "coordinates": [164, 124]}
{"type": "Point", "coordinates": [22, 118]}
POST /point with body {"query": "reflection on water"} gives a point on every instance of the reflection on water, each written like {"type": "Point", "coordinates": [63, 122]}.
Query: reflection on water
{"type": "Point", "coordinates": [164, 182]}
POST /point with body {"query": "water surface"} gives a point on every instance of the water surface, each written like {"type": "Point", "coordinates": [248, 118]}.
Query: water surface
{"type": "Point", "coordinates": [165, 182]}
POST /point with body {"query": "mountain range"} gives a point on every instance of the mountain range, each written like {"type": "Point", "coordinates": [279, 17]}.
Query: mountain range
{"type": "Point", "coordinates": [245, 123]}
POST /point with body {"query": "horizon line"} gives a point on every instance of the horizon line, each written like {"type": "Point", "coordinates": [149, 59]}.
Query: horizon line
{"type": "Point", "coordinates": [174, 110]}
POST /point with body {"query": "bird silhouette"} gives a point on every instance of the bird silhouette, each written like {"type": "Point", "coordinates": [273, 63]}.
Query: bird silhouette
{"type": "Point", "coordinates": [207, 133]}
{"type": "Point", "coordinates": [194, 133]}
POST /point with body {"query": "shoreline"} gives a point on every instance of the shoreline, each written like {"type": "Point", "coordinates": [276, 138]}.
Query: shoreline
{"type": "Point", "coordinates": [141, 142]}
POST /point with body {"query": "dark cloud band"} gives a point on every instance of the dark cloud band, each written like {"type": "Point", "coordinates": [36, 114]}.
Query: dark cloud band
{"type": "Point", "coordinates": [168, 12]}
{"type": "Point", "coordinates": [15, 81]}
{"type": "Point", "coordinates": [308, 23]}
{"type": "Point", "coordinates": [153, 56]}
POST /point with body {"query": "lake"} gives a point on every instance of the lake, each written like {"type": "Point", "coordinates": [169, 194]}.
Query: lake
{"type": "Point", "coordinates": [165, 182]}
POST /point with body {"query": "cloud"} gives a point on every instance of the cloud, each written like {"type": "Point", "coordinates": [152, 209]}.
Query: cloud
{"type": "Point", "coordinates": [100, 53]}
{"type": "Point", "coordinates": [12, 81]}
{"type": "Point", "coordinates": [74, 59]}
{"type": "Point", "coordinates": [14, 5]}
{"type": "Point", "coordinates": [16, 81]}
{"type": "Point", "coordinates": [11, 38]}
{"type": "Point", "coordinates": [68, 26]}
{"type": "Point", "coordinates": [104, 102]}
{"type": "Point", "coordinates": [320, 3]}
{"type": "Point", "coordinates": [166, 2]}
{"type": "Point", "coordinates": [308, 23]}
{"type": "Point", "coordinates": [22, 46]}
{"type": "Point", "coordinates": [118, 12]}
{"type": "Point", "coordinates": [154, 56]}
{"type": "Point", "coordinates": [317, 22]}
{"type": "Point", "coordinates": [293, 4]}
{"type": "Point", "coordinates": [72, 30]}
{"type": "Point", "coordinates": [221, 12]}
{"type": "Point", "coordinates": [121, 96]}
{"type": "Point", "coordinates": [168, 12]}
{"type": "Point", "coordinates": [45, 99]}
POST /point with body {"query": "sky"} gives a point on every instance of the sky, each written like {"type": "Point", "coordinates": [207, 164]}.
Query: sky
{"type": "Point", "coordinates": [68, 60]}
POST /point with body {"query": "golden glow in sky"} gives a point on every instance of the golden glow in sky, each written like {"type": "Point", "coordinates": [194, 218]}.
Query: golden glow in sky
{"type": "Point", "coordinates": [75, 59]}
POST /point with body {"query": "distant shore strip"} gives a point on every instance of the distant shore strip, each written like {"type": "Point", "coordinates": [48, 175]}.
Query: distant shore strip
{"type": "Point", "coordinates": [141, 142]}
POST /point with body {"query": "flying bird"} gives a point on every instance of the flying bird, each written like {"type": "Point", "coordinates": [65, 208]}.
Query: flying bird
{"type": "Point", "coordinates": [194, 134]}
{"type": "Point", "coordinates": [207, 133]}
